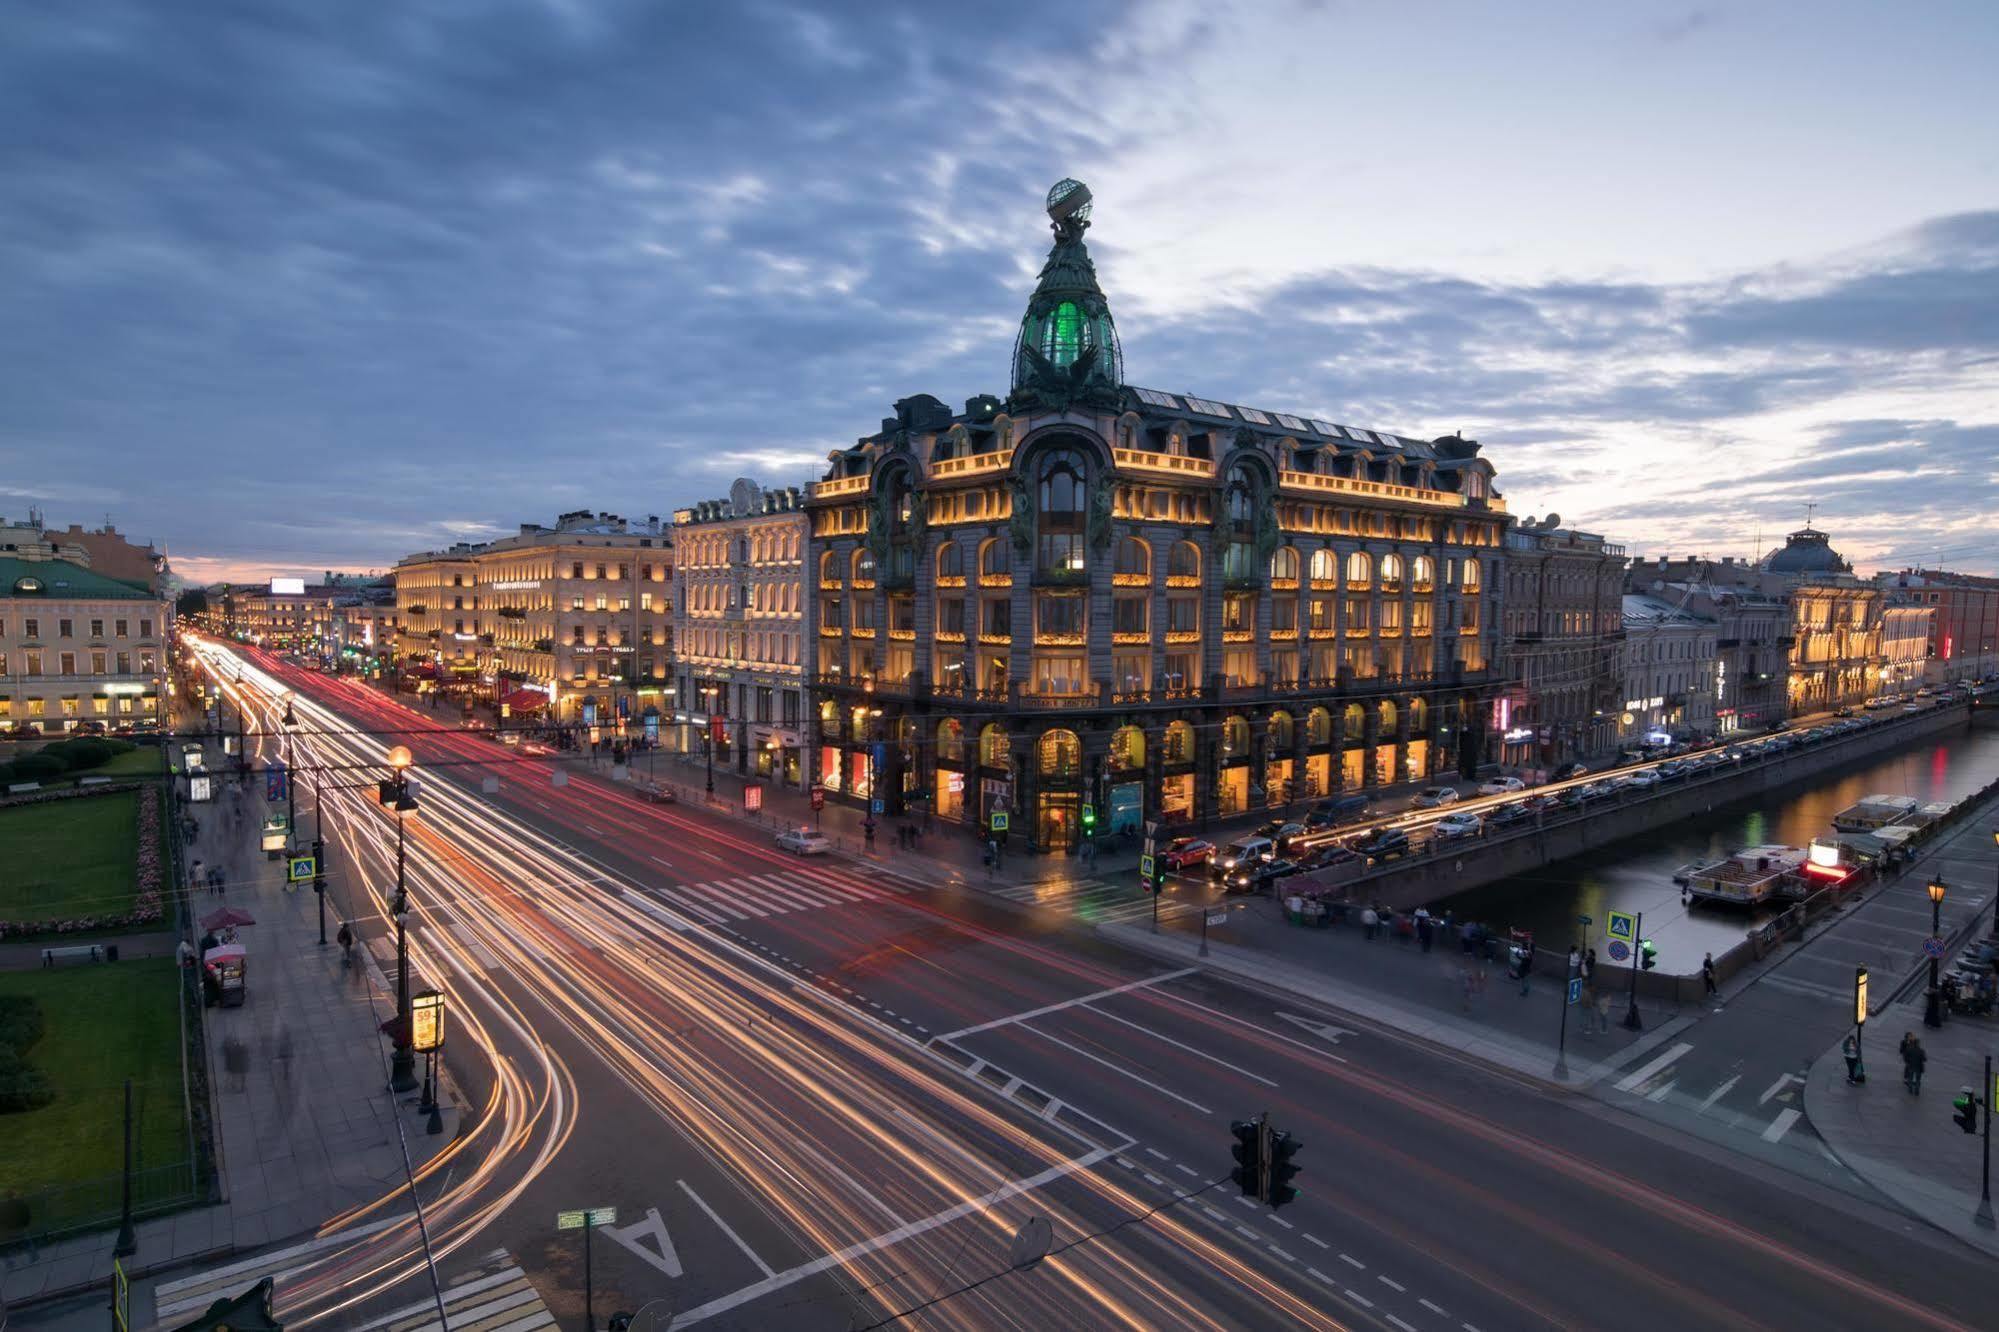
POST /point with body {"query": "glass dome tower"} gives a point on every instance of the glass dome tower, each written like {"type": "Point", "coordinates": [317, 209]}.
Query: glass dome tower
{"type": "Point", "coordinates": [1067, 351]}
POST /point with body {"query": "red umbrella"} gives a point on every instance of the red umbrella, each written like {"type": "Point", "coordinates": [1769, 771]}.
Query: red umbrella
{"type": "Point", "coordinates": [225, 918]}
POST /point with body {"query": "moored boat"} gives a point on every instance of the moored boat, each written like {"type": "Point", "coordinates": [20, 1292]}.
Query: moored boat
{"type": "Point", "coordinates": [1876, 811]}
{"type": "Point", "coordinates": [1748, 877]}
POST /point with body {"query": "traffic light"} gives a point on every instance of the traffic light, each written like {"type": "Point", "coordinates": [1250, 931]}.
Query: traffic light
{"type": "Point", "coordinates": [1089, 820]}
{"type": "Point", "coordinates": [1967, 1111]}
{"type": "Point", "coordinates": [1282, 1171]}
{"type": "Point", "coordinates": [1249, 1156]}
{"type": "Point", "coordinates": [1648, 956]}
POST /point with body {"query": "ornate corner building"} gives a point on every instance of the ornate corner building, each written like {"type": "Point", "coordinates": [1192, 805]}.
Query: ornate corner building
{"type": "Point", "coordinates": [1150, 604]}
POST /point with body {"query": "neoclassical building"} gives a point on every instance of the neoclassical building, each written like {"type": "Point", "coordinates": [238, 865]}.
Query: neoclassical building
{"type": "Point", "coordinates": [1155, 605]}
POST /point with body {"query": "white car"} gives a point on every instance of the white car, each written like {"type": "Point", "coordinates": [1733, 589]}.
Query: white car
{"type": "Point", "coordinates": [804, 842]}
{"type": "Point", "coordinates": [1501, 786]}
{"type": "Point", "coordinates": [1461, 824]}
{"type": "Point", "coordinates": [1430, 797]}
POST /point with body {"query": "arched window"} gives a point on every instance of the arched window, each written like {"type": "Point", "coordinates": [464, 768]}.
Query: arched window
{"type": "Point", "coordinates": [994, 748]}
{"type": "Point", "coordinates": [1391, 573]}
{"type": "Point", "coordinates": [1184, 560]}
{"type": "Point", "coordinates": [1062, 335]}
{"type": "Point", "coordinates": [1178, 743]}
{"type": "Point", "coordinates": [1353, 722]}
{"type": "Point", "coordinates": [1325, 568]}
{"type": "Point", "coordinates": [1423, 573]}
{"type": "Point", "coordinates": [951, 740]}
{"type": "Point", "coordinates": [1319, 727]}
{"type": "Point", "coordinates": [1128, 750]}
{"type": "Point", "coordinates": [993, 561]}
{"type": "Point", "coordinates": [864, 566]}
{"type": "Point", "coordinates": [1284, 564]}
{"type": "Point", "coordinates": [1360, 569]}
{"type": "Point", "coordinates": [1059, 518]}
{"type": "Point", "coordinates": [1133, 559]}
{"type": "Point", "coordinates": [1471, 576]}
{"type": "Point", "coordinates": [1235, 737]}
{"type": "Point", "coordinates": [950, 560]}
{"type": "Point", "coordinates": [829, 569]}
{"type": "Point", "coordinates": [1419, 717]}
{"type": "Point", "coordinates": [1280, 732]}
{"type": "Point", "coordinates": [1061, 754]}
{"type": "Point", "coordinates": [1387, 715]}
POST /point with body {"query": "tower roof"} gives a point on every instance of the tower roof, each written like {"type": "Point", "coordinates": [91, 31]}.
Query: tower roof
{"type": "Point", "coordinates": [1806, 551]}
{"type": "Point", "coordinates": [1068, 349]}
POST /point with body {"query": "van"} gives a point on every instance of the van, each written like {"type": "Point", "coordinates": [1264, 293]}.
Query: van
{"type": "Point", "coordinates": [1241, 854]}
{"type": "Point", "coordinates": [1340, 809]}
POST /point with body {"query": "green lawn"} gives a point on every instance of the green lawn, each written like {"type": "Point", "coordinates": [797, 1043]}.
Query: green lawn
{"type": "Point", "coordinates": [141, 762]}
{"type": "Point", "coordinates": [105, 1023]}
{"type": "Point", "coordinates": [70, 858]}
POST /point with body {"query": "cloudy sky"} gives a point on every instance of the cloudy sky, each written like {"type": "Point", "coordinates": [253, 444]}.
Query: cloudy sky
{"type": "Point", "coordinates": [292, 286]}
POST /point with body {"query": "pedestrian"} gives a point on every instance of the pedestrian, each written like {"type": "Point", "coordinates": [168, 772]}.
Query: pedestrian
{"type": "Point", "coordinates": [1707, 975]}
{"type": "Point", "coordinates": [185, 952]}
{"type": "Point", "coordinates": [1464, 984]}
{"type": "Point", "coordinates": [1369, 922]}
{"type": "Point", "coordinates": [1423, 930]}
{"type": "Point", "coordinates": [1522, 967]}
{"type": "Point", "coordinates": [1850, 1048]}
{"type": "Point", "coordinates": [1589, 964]}
{"type": "Point", "coordinates": [1603, 1012]}
{"type": "Point", "coordinates": [1914, 1057]}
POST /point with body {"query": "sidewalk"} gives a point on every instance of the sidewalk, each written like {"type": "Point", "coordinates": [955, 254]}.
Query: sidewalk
{"type": "Point", "coordinates": [1908, 1147]}
{"type": "Point", "coordinates": [305, 1128]}
{"type": "Point", "coordinates": [1398, 986]}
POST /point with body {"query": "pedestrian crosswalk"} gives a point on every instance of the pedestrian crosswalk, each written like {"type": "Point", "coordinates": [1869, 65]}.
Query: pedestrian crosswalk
{"type": "Point", "coordinates": [494, 1295]}
{"type": "Point", "coordinates": [1097, 901]}
{"type": "Point", "coordinates": [746, 897]}
{"type": "Point", "coordinates": [1687, 1085]}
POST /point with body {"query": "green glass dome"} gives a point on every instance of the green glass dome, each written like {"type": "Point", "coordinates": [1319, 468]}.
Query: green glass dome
{"type": "Point", "coordinates": [1067, 350]}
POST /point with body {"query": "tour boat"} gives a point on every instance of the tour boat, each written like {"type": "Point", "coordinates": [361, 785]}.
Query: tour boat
{"type": "Point", "coordinates": [1747, 878]}
{"type": "Point", "coordinates": [1876, 811]}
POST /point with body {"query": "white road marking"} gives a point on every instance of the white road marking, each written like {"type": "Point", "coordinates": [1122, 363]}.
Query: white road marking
{"type": "Point", "coordinates": [1358, 1298]}
{"type": "Point", "coordinates": [1247, 1233]}
{"type": "Point", "coordinates": [1314, 1239]}
{"type": "Point", "coordinates": [1632, 1079]}
{"type": "Point", "coordinates": [1160, 1036]}
{"type": "Point", "coordinates": [664, 1256]}
{"type": "Point", "coordinates": [1143, 1082]}
{"type": "Point", "coordinates": [1406, 1327]}
{"type": "Point", "coordinates": [1663, 1092]}
{"type": "Point", "coordinates": [723, 1226]}
{"type": "Point", "coordinates": [1313, 1271]}
{"type": "Point", "coordinates": [1353, 1261]}
{"type": "Point", "coordinates": [1154, 1151]}
{"type": "Point", "coordinates": [1071, 1003]}
{"type": "Point", "coordinates": [1321, 1029]}
{"type": "Point", "coordinates": [1435, 1309]}
{"type": "Point", "coordinates": [1782, 1082]}
{"type": "Point", "coordinates": [1781, 1125]}
{"type": "Point", "coordinates": [1282, 1222]}
{"type": "Point", "coordinates": [1281, 1254]}
{"type": "Point", "coordinates": [1717, 1094]}
{"type": "Point", "coordinates": [1392, 1285]}
{"type": "Point", "coordinates": [1151, 1178]}
{"type": "Point", "coordinates": [1187, 1170]}
{"type": "Point", "coordinates": [661, 860]}
{"type": "Point", "coordinates": [1217, 1215]}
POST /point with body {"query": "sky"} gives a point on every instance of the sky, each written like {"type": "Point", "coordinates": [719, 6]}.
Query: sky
{"type": "Point", "coordinates": [299, 286]}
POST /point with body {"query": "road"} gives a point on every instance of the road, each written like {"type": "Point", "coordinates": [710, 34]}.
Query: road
{"type": "Point", "coordinates": [843, 1093]}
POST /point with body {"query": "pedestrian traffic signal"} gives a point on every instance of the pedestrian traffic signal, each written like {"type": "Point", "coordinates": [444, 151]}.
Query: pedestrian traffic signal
{"type": "Point", "coordinates": [1967, 1111]}
{"type": "Point", "coordinates": [1648, 956]}
{"type": "Point", "coordinates": [1282, 1148]}
{"type": "Point", "coordinates": [1249, 1156]}
{"type": "Point", "coordinates": [1089, 820]}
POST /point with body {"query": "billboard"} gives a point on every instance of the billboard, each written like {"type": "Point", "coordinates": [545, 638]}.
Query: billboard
{"type": "Point", "coordinates": [293, 587]}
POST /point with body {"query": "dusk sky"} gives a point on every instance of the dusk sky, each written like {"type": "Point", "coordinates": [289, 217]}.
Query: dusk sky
{"type": "Point", "coordinates": [292, 287]}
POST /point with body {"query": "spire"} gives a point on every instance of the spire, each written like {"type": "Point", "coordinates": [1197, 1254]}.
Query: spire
{"type": "Point", "coordinates": [1067, 351]}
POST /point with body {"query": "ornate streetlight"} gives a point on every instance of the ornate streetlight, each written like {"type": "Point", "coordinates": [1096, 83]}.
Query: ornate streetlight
{"type": "Point", "coordinates": [402, 1067]}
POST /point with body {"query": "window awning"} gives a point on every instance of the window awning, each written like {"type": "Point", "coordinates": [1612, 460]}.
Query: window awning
{"type": "Point", "coordinates": [524, 700]}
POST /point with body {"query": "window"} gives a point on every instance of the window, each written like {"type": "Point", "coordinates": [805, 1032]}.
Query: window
{"type": "Point", "coordinates": [997, 617]}
{"type": "Point", "coordinates": [993, 561]}
{"type": "Point", "coordinates": [1391, 573]}
{"type": "Point", "coordinates": [864, 613]}
{"type": "Point", "coordinates": [1284, 615]}
{"type": "Point", "coordinates": [1423, 573]}
{"type": "Point", "coordinates": [1357, 615]}
{"type": "Point", "coordinates": [902, 614]}
{"type": "Point", "coordinates": [829, 569]}
{"type": "Point", "coordinates": [1182, 672]}
{"type": "Point", "coordinates": [950, 560]}
{"type": "Point", "coordinates": [1059, 616]}
{"type": "Point", "coordinates": [864, 566]}
{"type": "Point", "coordinates": [1129, 613]}
{"type": "Point", "coordinates": [1353, 722]}
{"type": "Point", "coordinates": [1235, 737]}
{"type": "Point", "coordinates": [1239, 666]}
{"type": "Point", "coordinates": [33, 628]}
{"type": "Point", "coordinates": [1184, 561]}
{"type": "Point", "coordinates": [68, 661]}
{"type": "Point", "coordinates": [1325, 568]}
{"type": "Point", "coordinates": [1133, 560]}
{"type": "Point", "coordinates": [121, 628]}
{"type": "Point", "coordinates": [575, 570]}
{"type": "Point", "coordinates": [951, 616]}
{"type": "Point", "coordinates": [995, 749]}
{"type": "Point", "coordinates": [1059, 674]}
{"type": "Point", "coordinates": [1060, 517]}
{"type": "Point", "coordinates": [1360, 569]}
{"type": "Point", "coordinates": [97, 663]}
{"type": "Point", "coordinates": [1177, 745]}
{"type": "Point", "coordinates": [1131, 672]}
{"type": "Point", "coordinates": [1284, 564]}
{"type": "Point", "coordinates": [97, 628]}
{"type": "Point", "coordinates": [1183, 615]}
{"type": "Point", "coordinates": [63, 629]}
{"type": "Point", "coordinates": [1238, 612]}
{"type": "Point", "coordinates": [832, 612]}
{"type": "Point", "coordinates": [1471, 576]}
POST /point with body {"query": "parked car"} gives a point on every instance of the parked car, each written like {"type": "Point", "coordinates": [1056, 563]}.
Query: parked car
{"type": "Point", "coordinates": [1644, 779]}
{"type": "Point", "coordinates": [1185, 853]}
{"type": "Point", "coordinates": [1341, 809]}
{"type": "Point", "coordinates": [1383, 844]}
{"type": "Point", "coordinates": [1461, 824]}
{"type": "Point", "coordinates": [89, 727]}
{"type": "Point", "coordinates": [1258, 875]}
{"type": "Point", "coordinates": [1434, 797]}
{"type": "Point", "coordinates": [1570, 770]}
{"type": "Point", "coordinates": [1842, 712]}
{"type": "Point", "coordinates": [1241, 852]}
{"type": "Point", "coordinates": [1596, 791]}
{"type": "Point", "coordinates": [1330, 855]}
{"type": "Point", "coordinates": [804, 842]}
{"type": "Point", "coordinates": [1501, 786]}
{"type": "Point", "coordinates": [1514, 811]}
{"type": "Point", "coordinates": [1672, 768]}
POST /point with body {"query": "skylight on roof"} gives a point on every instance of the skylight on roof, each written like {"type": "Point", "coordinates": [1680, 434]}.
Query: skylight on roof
{"type": "Point", "coordinates": [1290, 422]}
{"type": "Point", "coordinates": [1155, 398]}
{"type": "Point", "coordinates": [1206, 408]}
{"type": "Point", "coordinates": [1253, 416]}
{"type": "Point", "coordinates": [1328, 428]}
{"type": "Point", "coordinates": [1360, 435]}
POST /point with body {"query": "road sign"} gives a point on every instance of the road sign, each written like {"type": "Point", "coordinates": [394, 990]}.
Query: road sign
{"type": "Point", "coordinates": [588, 1216]}
{"type": "Point", "coordinates": [1575, 989]}
{"type": "Point", "coordinates": [1932, 947]}
{"type": "Point", "coordinates": [302, 868]}
{"type": "Point", "coordinates": [1618, 950]}
{"type": "Point", "coordinates": [818, 796]}
{"type": "Point", "coordinates": [1000, 820]}
{"type": "Point", "coordinates": [1621, 925]}
{"type": "Point", "coordinates": [274, 782]}
{"type": "Point", "coordinates": [875, 806]}
{"type": "Point", "coordinates": [1146, 866]}
{"type": "Point", "coordinates": [753, 797]}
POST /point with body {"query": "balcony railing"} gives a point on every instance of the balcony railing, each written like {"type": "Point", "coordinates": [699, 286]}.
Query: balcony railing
{"type": "Point", "coordinates": [840, 485]}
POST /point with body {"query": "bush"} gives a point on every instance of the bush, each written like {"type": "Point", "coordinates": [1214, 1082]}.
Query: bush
{"type": "Point", "coordinates": [22, 1085]}
{"type": "Point", "coordinates": [21, 1023]}
{"type": "Point", "coordinates": [83, 752]}
{"type": "Point", "coordinates": [38, 767]}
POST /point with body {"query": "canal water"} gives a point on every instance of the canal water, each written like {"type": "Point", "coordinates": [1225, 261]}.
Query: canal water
{"type": "Point", "coordinates": [1637, 874]}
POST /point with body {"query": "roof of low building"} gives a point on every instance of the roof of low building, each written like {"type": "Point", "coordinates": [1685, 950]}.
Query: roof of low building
{"type": "Point", "coordinates": [1645, 611]}
{"type": "Point", "coordinates": [57, 579]}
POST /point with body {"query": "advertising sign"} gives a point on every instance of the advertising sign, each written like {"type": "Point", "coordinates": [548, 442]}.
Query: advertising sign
{"type": "Point", "coordinates": [753, 797]}
{"type": "Point", "coordinates": [426, 1021]}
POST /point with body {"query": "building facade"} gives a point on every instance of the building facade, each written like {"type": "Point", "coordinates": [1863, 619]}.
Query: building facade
{"type": "Point", "coordinates": [77, 648]}
{"type": "Point", "coordinates": [437, 620]}
{"type": "Point", "coordinates": [1964, 632]}
{"type": "Point", "coordinates": [1143, 604]}
{"type": "Point", "coordinates": [1907, 628]}
{"type": "Point", "coordinates": [739, 630]}
{"type": "Point", "coordinates": [1563, 635]}
{"type": "Point", "coordinates": [300, 622]}
{"type": "Point", "coordinates": [1835, 624]}
{"type": "Point", "coordinates": [1669, 670]}
{"type": "Point", "coordinates": [1752, 627]}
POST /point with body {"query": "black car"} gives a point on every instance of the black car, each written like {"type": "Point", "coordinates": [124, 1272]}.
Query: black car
{"type": "Point", "coordinates": [1327, 856]}
{"type": "Point", "coordinates": [1514, 811]}
{"type": "Point", "coordinates": [1568, 770]}
{"type": "Point", "coordinates": [1383, 843]}
{"type": "Point", "coordinates": [1257, 876]}
{"type": "Point", "coordinates": [1332, 813]}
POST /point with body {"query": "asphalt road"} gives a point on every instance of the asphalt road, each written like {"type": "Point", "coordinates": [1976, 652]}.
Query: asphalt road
{"type": "Point", "coordinates": [790, 1060]}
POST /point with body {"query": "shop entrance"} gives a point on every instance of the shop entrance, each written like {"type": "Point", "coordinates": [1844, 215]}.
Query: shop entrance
{"type": "Point", "coordinates": [1056, 827]}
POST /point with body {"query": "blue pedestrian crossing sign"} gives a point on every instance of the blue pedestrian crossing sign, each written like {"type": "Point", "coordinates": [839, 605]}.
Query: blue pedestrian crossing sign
{"type": "Point", "coordinates": [302, 868]}
{"type": "Point", "coordinates": [1621, 925]}
{"type": "Point", "coordinates": [1575, 989]}
{"type": "Point", "coordinates": [1145, 867]}
{"type": "Point", "coordinates": [1000, 819]}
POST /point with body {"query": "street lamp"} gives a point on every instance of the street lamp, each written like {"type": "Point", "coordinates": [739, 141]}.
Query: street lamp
{"type": "Point", "coordinates": [402, 1066]}
{"type": "Point", "coordinates": [1933, 1001]}
{"type": "Point", "coordinates": [708, 693]}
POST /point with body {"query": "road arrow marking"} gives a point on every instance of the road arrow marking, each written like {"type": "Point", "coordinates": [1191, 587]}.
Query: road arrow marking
{"type": "Point", "coordinates": [1331, 1033]}
{"type": "Point", "coordinates": [633, 1237]}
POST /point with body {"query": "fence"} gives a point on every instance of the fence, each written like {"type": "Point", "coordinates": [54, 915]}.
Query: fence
{"type": "Point", "coordinates": [37, 1218]}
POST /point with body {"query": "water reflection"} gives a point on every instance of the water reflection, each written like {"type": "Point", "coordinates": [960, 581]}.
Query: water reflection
{"type": "Point", "coordinates": [1637, 874]}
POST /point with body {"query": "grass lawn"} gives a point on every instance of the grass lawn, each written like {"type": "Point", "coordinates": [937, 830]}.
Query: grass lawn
{"type": "Point", "coordinates": [105, 1023]}
{"type": "Point", "coordinates": [141, 762]}
{"type": "Point", "coordinates": [69, 858]}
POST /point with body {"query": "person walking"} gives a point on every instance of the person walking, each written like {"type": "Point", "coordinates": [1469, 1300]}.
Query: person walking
{"type": "Point", "coordinates": [1914, 1057]}
{"type": "Point", "coordinates": [1603, 1012]}
{"type": "Point", "coordinates": [1707, 976]}
{"type": "Point", "coordinates": [1850, 1050]}
{"type": "Point", "coordinates": [1369, 923]}
{"type": "Point", "coordinates": [1424, 930]}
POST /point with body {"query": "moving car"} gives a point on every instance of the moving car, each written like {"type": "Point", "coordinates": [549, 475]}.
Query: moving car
{"type": "Point", "coordinates": [1257, 875]}
{"type": "Point", "coordinates": [1501, 786]}
{"type": "Point", "coordinates": [1241, 852]}
{"type": "Point", "coordinates": [1185, 853]}
{"type": "Point", "coordinates": [1328, 856]}
{"type": "Point", "coordinates": [1433, 797]}
{"type": "Point", "coordinates": [1383, 844]}
{"type": "Point", "coordinates": [1464, 823]}
{"type": "Point", "coordinates": [804, 842]}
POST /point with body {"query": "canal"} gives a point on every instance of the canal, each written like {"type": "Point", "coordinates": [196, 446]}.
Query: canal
{"type": "Point", "coordinates": [1637, 873]}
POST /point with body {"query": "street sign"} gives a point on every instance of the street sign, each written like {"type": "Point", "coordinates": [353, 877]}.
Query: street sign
{"type": "Point", "coordinates": [1000, 819]}
{"type": "Point", "coordinates": [1618, 950]}
{"type": "Point", "coordinates": [1933, 947]}
{"type": "Point", "coordinates": [274, 782]}
{"type": "Point", "coordinates": [588, 1216]}
{"type": "Point", "coordinates": [1621, 925]}
{"type": "Point", "coordinates": [753, 797]}
{"type": "Point", "coordinates": [302, 868]}
{"type": "Point", "coordinates": [1145, 866]}
{"type": "Point", "coordinates": [818, 796]}
{"type": "Point", "coordinates": [1860, 996]}
{"type": "Point", "coordinates": [1575, 989]}
{"type": "Point", "coordinates": [875, 806]}
{"type": "Point", "coordinates": [1219, 918]}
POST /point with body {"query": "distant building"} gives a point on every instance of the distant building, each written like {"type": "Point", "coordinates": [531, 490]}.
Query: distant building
{"type": "Point", "coordinates": [1669, 669]}
{"type": "Point", "coordinates": [299, 622]}
{"type": "Point", "coordinates": [437, 620]}
{"type": "Point", "coordinates": [1562, 645]}
{"type": "Point", "coordinates": [1906, 630]}
{"type": "Point", "coordinates": [114, 555]}
{"type": "Point", "coordinates": [1835, 624]}
{"type": "Point", "coordinates": [1752, 633]}
{"type": "Point", "coordinates": [739, 633]}
{"type": "Point", "coordinates": [76, 648]}
{"type": "Point", "coordinates": [1964, 632]}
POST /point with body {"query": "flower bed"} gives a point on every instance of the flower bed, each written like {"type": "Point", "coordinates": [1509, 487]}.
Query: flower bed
{"type": "Point", "coordinates": [149, 872]}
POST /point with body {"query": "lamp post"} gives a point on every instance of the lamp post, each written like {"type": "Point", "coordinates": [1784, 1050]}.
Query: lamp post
{"type": "Point", "coordinates": [1933, 1000]}
{"type": "Point", "coordinates": [402, 1067]}
{"type": "Point", "coordinates": [708, 693]}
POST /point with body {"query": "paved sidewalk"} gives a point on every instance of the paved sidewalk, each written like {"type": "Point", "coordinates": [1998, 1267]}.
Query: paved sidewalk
{"type": "Point", "coordinates": [305, 1126]}
{"type": "Point", "coordinates": [1908, 1147]}
{"type": "Point", "coordinates": [1398, 986]}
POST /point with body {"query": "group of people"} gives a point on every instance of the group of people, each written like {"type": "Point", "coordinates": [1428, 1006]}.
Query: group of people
{"type": "Point", "coordinates": [1914, 1059]}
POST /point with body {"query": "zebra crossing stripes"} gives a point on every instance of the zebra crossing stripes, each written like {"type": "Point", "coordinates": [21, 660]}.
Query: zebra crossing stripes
{"type": "Point", "coordinates": [496, 1295]}
{"type": "Point", "coordinates": [747, 897]}
{"type": "Point", "coordinates": [1096, 900]}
